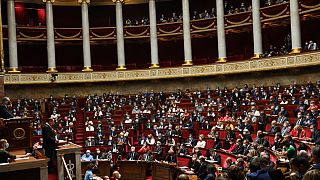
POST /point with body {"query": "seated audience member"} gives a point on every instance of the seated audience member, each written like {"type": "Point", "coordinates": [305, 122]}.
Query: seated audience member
{"type": "Point", "coordinates": [315, 135]}
{"type": "Point", "coordinates": [183, 177]}
{"type": "Point", "coordinates": [213, 133]}
{"type": "Point", "coordinates": [274, 128]}
{"type": "Point", "coordinates": [98, 154]}
{"type": "Point", "coordinates": [90, 127]}
{"type": "Point", "coordinates": [191, 141]}
{"type": "Point", "coordinates": [171, 142]}
{"type": "Point", "coordinates": [202, 172]}
{"type": "Point", "coordinates": [211, 170]}
{"type": "Point", "coordinates": [171, 157]}
{"type": "Point", "coordinates": [277, 145]}
{"type": "Point", "coordinates": [87, 156]}
{"type": "Point", "coordinates": [298, 132]}
{"type": "Point", "coordinates": [299, 166]}
{"type": "Point", "coordinates": [217, 143]}
{"type": "Point", "coordinates": [201, 143]}
{"type": "Point", "coordinates": [89, 175]}
{"type": "Point", "coordinates": [89, 142]}
{"type": "Point", "coordinates": [132, 155]}
{"type": "Point", "coordinates": [214, 156]}
{"type": "Point", "coordinates": [315, 155]}
{"type": "Point", "coordinates": [4, 112]}
{"type": "Point", "coordinates": [5, 155]}
{"type": "Point", "coordinates": [239, 147]}
{"type": "Point", "coordinates": [147, 156]}
{"type": "Point", "coordinates": [182, 151]}
{"type": "Point", "coordinates": [286, 128]}
{"type": "Point", "coordinates": [288, 150]}
{"type": "Point", "coordinates": [228, 163]}
{"type": "Point", "coordinates": [150, 140]}
{"type": "Point", "coordinates": [312, 175]}
{"type": "Point", "coordinates": [262, 172]}
{"type": "Point", "coordinates": [158, 151]}
{"type": "Point", "coordinates": [261, 140]}
{"type": "Point", "coordinates": [144, 148]}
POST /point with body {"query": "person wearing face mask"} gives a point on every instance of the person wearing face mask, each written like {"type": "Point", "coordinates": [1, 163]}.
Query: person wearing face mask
{"type": "Point", "coordinates": [5, 155]}
{"type": "Point", "coordinates": [315, 135]}
{"type": "Point", "coordinates": [87, 156]}
{"type": "Point", "coordinates": [98, 154]}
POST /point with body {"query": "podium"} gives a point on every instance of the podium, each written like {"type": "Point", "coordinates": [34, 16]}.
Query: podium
{"type": "Point", "coordinates": [18, 133]}
{"type": "Point", "coordinates": [68, 162]}
{"type": "Point", "coordinates": [164, 171]}
{"type": "Point", "coordinates": [133, 170]}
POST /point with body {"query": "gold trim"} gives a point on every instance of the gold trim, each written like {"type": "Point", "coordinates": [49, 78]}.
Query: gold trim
{"type": "Point", "coordinates": [153, 66]}
{"type": "Point", "coordinates": [222, 60]}
{"type": "Point", "coordinates": [257, 56]}
{"type": "Point", "coordinates": [14, 70]}
{"type": "Point", "coordinates": [296, 51]}
{"type": "Point", "coordinates": [187, 63]}
{"type": "Point", "coordinates": [87, 69]}
{"type": "Point", "coordinates": [51, 70]}
{"type": "Point", "coordinates": [121, 68]}
{"type": "Point", "coordinates": [307, 59]}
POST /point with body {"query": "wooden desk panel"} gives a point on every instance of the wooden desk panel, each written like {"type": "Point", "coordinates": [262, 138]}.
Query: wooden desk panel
{"type": "Point", "coordinates": [162, 171]}
{"type": "Point", "coordinates": [35, 169]}
{"type": "Point", "coordinates": [133, 170]}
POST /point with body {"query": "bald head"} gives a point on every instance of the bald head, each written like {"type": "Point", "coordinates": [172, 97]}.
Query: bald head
{"type": "Point", "coordinates": [183, 177]}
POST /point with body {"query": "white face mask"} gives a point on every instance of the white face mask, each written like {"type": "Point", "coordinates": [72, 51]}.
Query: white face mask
{"type": "Point", "coordinates": [6, 146]}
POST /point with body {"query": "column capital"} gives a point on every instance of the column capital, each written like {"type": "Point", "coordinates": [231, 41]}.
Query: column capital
{"type": "Point", "coordinates": [84, 1]}
{"type": "Point", "coordinates": [121, 1]}
{"type": "Point", "coordinates": [48, 1]}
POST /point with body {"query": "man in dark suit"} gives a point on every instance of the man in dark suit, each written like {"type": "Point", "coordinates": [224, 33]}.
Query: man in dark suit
{"type": "Point", "coordinates": [4, 112]}
{"type": "Point", "coordinates": [202, 173]}
{"type": "Point", "coordinates": [133, 155]}
{"type": "Point", "coordinates": [214, 156]}
{"type": "Point", "coordinates": [315, 134]}
{"type": "Point", "coordinates": [49, 142]}
{"type": "Point", "coordinates": [239, 147]}
{"type": "Point", "coordinates": [171, 158]}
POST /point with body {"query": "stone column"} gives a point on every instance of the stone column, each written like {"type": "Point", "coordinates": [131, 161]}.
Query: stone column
{"type": "Point", "coordinates": [12, 37]}
{"type": "Point", "coordinates": [85, 35]}
{"type": "Point", "coordinates": [222, 52]}
{"type": "Point", "coordinates": [120, 36]}
{"type": "Point", "coordinates": [295, 27]}
{"type": "Point", "coordinates": [256, 25]}
{"type": "Point", "coordinates": [50, 37]}
{"type": "Point", "coordinates": [186, 34]}
{"type": "Point", "coordinates": [153, 34]}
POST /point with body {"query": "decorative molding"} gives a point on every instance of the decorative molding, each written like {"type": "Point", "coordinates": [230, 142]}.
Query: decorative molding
{"type": "Point", "coordinates": [252, 65]}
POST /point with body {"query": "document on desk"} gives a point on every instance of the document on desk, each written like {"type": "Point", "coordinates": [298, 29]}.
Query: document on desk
{"type": "Point", "coordinates": [22, 158]}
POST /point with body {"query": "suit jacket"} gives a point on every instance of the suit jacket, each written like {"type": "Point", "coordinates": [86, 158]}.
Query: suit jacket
{"type": "Point", "coordinates": [238, 150]}
{"type": "Point", "coordinates": [216, 157]}
{"type": "Point", "coordinates": [147, 157]}
{"type": "Point", "coordinates": [195, 165]}
{"type": "Point", "coordinates": [4, 113]}
{"type": "Point", "coordinates": [49, 139]}
{"type": "Point", "coordinates": [202, 173]}
{"type": "Point", "coordinates": [171, 159]}
{"type": "Point", "coordinates": [274, 129]}
{"type": "Point", "coordinates": [132, 156]}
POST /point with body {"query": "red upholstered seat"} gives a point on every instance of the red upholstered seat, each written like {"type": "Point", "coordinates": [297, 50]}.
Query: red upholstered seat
{"type": "Point", "coordinates": [183, 161]}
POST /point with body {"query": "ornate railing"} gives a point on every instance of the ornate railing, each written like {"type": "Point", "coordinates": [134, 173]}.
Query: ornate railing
{"type": "Point", "coordinates": [239, 20]}
{"type": "Point", "coordinates": [265, 64]}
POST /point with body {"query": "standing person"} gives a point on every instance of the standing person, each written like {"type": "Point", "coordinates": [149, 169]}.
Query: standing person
{"type": "Point", "coordinates": [4, 112]}
{"type": "Point", "coordinates": [49, 142]}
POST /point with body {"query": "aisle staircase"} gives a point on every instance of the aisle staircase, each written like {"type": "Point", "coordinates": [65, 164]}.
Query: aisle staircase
{"type": "Point", "coordinates": [79, 136]}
